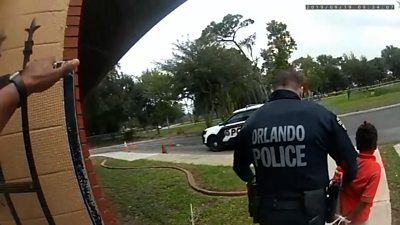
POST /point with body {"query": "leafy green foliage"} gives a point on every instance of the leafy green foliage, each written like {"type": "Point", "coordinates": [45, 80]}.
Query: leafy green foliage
{"type": "Point", "coordinates": [160, 105]}
{"type": "Point", "coordinates": [279, 48]}
{"type": "Point", "coordinates": [219, 74]}
{"type": "Point", "coordinates": [108, 106]}
{"type": "Point", "coordinates": [214, 76]}
{"type": "Point", "coordinates": [121, 102]}
{"type": "Point", "coordinates": [326, 73]}
{"type": "Point", "coordinates": [225, 32]}
{"type": "Point", "coordinates": [391, 58]}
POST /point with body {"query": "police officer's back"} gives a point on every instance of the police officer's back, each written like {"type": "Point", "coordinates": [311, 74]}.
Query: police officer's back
{"type": "Point", "coordinates": [288, 140]}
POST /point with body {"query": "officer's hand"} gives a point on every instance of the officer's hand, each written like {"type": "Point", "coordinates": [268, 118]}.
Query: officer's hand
{"type": "Point", "coordinates": [252, 180]}
{"type": "Point", "coordinates": [39, 75]}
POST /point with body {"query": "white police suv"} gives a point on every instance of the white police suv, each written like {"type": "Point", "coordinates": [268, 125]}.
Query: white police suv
{"type": "Point", "coordinates": [222, 136]}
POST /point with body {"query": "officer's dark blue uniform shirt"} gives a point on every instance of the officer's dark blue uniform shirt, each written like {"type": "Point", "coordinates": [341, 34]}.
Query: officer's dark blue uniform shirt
{"type": "Point", "coordinates": [288, 141]}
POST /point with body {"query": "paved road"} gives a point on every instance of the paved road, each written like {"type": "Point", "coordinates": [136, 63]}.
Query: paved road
{"type": "Point", "coordinates": [182, 144]}
{"type": "Point", "coordinates": [387, 122]}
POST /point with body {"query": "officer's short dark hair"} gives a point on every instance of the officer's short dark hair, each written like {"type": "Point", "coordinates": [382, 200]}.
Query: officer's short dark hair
{"type": "Point", "coordinates": [366, 137]}
{"type": "Point", "coordinates": [284, 77]}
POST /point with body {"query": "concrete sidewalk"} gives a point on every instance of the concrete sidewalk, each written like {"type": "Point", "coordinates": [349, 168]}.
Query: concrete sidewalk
{"type": "Point", "coordinates": [127, 156]}
{"type": "Point", "coordinates": [380, 214]}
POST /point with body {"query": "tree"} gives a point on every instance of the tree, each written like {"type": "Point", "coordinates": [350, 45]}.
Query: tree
{"type": "Point", "coordinates": [361, 71]}
{"type": "Point", "coordinates": [225, 33]}
{"type": "Point", "coordinates": [311, 70]}
{"type": "Point", "coordinates": [280, 46]}
{"type": "Point", "coordinates": [331, 77]}
{"type": "Point", "coordinates": [367, 74]}
{"type": "Point", "coordinates": [216, 78]}
{"type": "Point", "coordinates": [391, 58]}
{"type": "Point", "coordinates": [379, 68]}
{"type": "Point", "coordinates": [335, 77]}
{"type": "Point", "coordinates": [161, 105]}
{"type": "Point", "coordinates": [109, 106]}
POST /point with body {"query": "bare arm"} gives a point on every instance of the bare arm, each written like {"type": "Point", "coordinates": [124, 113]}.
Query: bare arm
{"type": "Point", "coordinates": [368, 194]}
{"type": "Point", "coordinates": [38, 76]}
{"type": "Point", "coordinates": [9, 100]}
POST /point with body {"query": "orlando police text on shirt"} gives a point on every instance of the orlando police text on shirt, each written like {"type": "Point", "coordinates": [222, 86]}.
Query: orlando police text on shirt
{"type": "Point", "coordinates": [277, 148]}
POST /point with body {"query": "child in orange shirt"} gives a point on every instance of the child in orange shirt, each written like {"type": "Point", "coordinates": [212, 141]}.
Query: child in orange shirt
{"type": "Point", "coordinates": [356, 198]}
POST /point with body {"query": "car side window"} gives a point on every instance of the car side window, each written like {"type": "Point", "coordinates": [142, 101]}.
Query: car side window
{"type": "Point", "coordinates": [242, 116]}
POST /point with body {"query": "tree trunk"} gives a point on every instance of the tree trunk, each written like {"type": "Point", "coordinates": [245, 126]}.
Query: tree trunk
{"type": "Point", "coordinates": [158, 129]}
{"type": "Point", "coordinates": [167, 122]}
{"type": "Point", "coordinates": [254, 96]}
{"type": "Point", "coordinates": [210, 106]}
{"type": "Point", "coordinates": [216, 112]}
{"type": "Point", "coordinates": [265, 93]}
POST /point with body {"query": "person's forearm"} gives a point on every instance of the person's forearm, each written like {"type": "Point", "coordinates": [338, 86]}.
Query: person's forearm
{"type": "Point", "coordinates": [356, 211]}
{"type": "Point", "coordinates": [9, 100]}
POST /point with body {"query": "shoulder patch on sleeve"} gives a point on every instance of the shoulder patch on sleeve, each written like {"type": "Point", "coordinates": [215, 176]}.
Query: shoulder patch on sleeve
{"type": "Point", "coordinates": [340, 123]}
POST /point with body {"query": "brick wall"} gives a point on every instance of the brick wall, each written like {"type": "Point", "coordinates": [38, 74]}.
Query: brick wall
{"type": "Point", "coordinates": [71, 50]}
{"type": "Point", "coordinates": [58, 36]}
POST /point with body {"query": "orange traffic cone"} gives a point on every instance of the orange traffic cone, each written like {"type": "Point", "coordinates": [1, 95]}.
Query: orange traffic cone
{"type": "Point", "coordinates": [163, 148]}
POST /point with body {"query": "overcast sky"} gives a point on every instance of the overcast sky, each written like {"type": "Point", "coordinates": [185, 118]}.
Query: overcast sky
{"type": "Point", "coordinates": [363, 32]}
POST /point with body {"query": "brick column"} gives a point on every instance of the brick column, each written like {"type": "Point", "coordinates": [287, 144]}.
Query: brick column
{"type": "Point", "coordinates": [71, 50]}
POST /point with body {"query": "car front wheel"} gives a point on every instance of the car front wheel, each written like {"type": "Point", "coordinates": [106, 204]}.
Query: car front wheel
{"type": "Point", "coordinates": [214, 144]}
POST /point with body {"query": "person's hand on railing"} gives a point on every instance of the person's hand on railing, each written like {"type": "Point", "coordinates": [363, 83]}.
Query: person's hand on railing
{"type": "Point", "coordinates": [340, 220]}
{"type": "Point", "coordinates": [39, 75]}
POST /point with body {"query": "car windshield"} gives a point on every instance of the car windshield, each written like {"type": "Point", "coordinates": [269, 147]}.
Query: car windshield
{"type": "Point", "coordinates": [238, 117]}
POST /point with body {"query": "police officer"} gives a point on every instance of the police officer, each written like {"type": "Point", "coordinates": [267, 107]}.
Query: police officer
{"type": "Point", "coordinates": [288, 141]}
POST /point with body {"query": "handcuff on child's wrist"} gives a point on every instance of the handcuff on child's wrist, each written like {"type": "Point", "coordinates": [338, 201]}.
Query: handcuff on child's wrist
{"type": "Point", "coordinates": [340, 220]}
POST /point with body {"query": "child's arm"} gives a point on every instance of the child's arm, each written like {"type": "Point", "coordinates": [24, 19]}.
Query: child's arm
{"type": "Point", "coordinates": [360, 206]}
{"type": "Point", "coordinates": [368, 194]}
{"type": "Point", "coordinates": [338, 176]}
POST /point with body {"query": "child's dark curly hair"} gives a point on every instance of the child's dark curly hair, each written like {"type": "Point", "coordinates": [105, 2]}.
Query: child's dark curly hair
{"type": "Point", "coordinates": [366, 137]}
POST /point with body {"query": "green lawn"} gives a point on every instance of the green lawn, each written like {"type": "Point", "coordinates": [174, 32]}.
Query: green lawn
{"type": "Point", "coordinates": [362, 100]}
{"type": "Point", "coordinates": [391, 162]}
{"type": "Point", "coordinates": [162, 196]}
{"type": "Point", "coordinates": [191, 128]}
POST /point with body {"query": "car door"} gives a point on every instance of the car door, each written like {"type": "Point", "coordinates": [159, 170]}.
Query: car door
{"type": "Point", "coordinates": [232, 126]}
